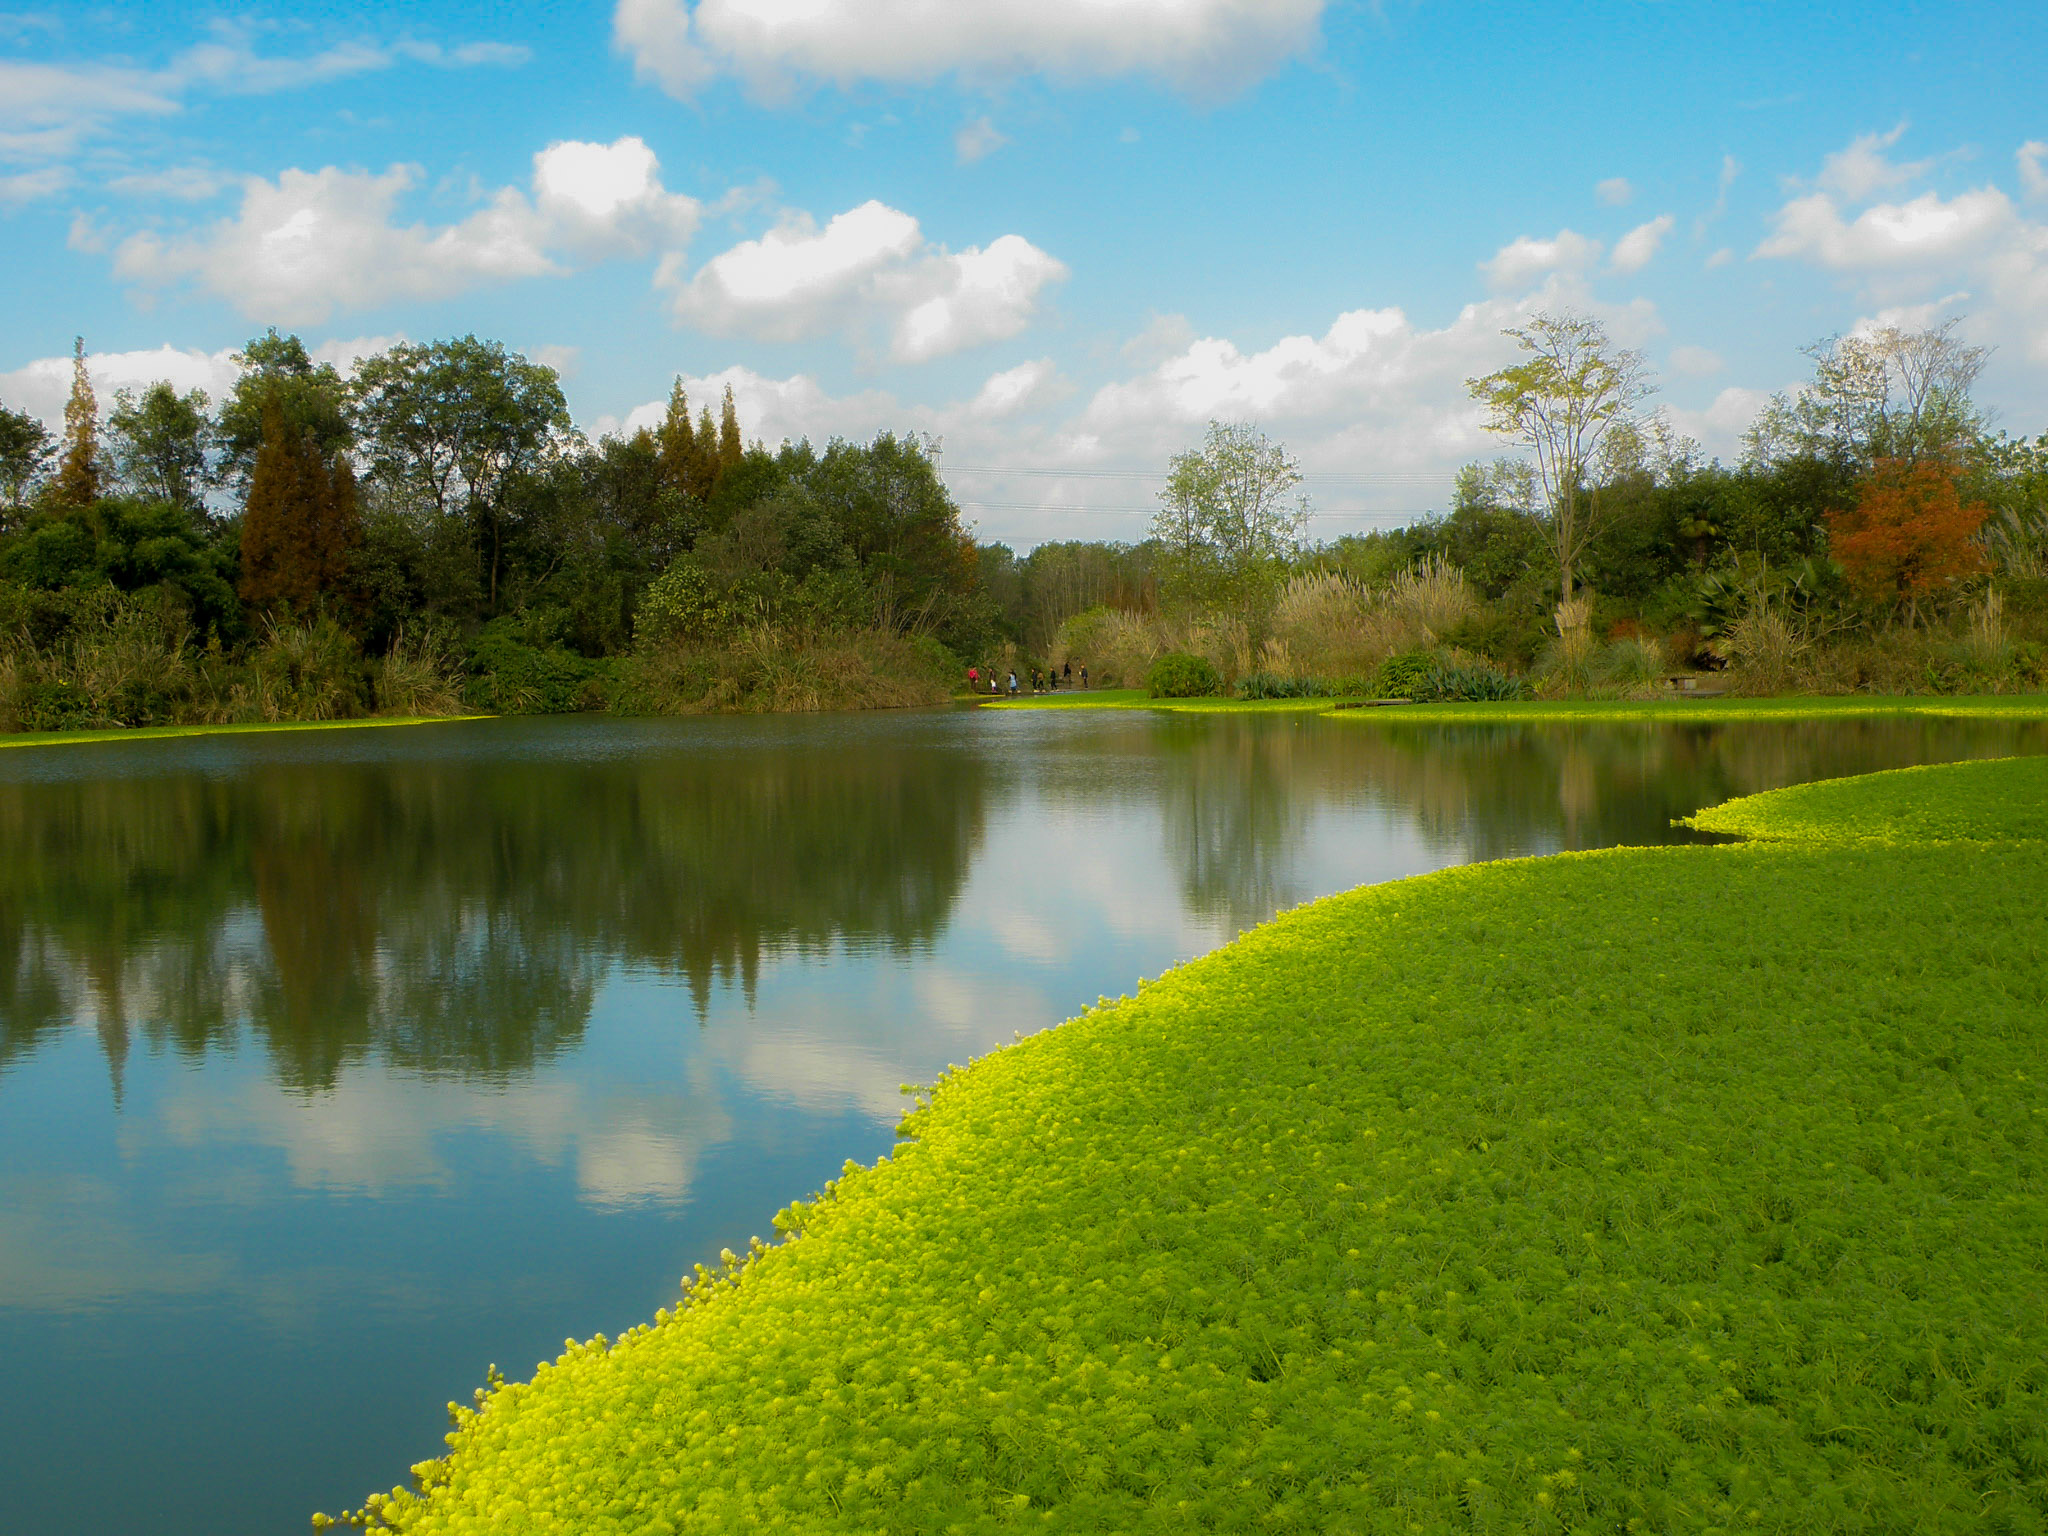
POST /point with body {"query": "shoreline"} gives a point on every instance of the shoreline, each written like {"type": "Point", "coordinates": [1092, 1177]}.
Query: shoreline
{"type": "Point", "coordinates": [2006, 706]}
{"type": "Point", "coordinates": [1591, 1187]}
{"type": "Point", "coordinates": [237, 728]}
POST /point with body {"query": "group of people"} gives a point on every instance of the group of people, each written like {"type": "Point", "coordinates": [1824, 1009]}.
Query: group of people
{"type": "Point", "coordinates": [1040, 680]}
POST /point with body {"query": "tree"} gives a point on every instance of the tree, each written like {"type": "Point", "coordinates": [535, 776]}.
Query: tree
{"type": "Point", "coordinates": [78, 469]}
{"type": "Point", "coordinates": [1561, 403]}
{"type": "Point", "coordinates": [1887, 394]}
{"type": "Point", "coordinates": [456, 424]}
{"type": "Point", "coordinates": [161, 442]}
{"type": "Point", "coordinates": [1909, 535]}
{"type": "Point", "coordinates": [312, 396]}
{"type": "Point", "coordinates": [24, 450]}
{"type": "Point", "coordinates": [300, 522]}
{"type": "Point", "coordinates": [1230, 518]}
{"type": "Point", "coordinates": [730, 449]}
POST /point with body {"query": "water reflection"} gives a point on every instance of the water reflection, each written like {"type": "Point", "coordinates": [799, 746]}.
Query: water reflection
{"type": "Point", "coordinates": [450, 915]}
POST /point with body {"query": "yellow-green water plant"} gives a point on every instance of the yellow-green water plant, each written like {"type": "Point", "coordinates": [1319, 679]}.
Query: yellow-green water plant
{"type": "Point", "coordinates": [1676, 1189]}
{"type": "Point", "coordinates": [2000, 800]}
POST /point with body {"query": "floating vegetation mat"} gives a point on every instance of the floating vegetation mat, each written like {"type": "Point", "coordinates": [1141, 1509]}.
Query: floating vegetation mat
{"type": "Point", "coordinates": [1656, 1190]}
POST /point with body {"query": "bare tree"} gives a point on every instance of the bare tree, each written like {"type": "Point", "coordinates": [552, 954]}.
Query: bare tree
{"type": "Point", "coordinates": [1561, 402]}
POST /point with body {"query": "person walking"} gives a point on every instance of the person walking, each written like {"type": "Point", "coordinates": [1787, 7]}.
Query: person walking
{"type": "Point", "coordinates": [974, 679]}
{"type": "Point", "coordinates": [1013, 685]}
{"type": "Point", "coordinates": [1084, 674]}
{"type": "Point", "coordinates": [1067, 672]}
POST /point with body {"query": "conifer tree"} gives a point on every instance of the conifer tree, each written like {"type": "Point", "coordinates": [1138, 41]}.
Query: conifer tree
{"type": "Point", "coordinates": [78, 471]}
{"type": "Point", "coordinates": [301, 520]}
{"type": "Point", "coordinates": [730, 449]}
{"type": "Point", "coordinates": [678, 442]}
{"type": "Point", "coordinates": [707, 454]}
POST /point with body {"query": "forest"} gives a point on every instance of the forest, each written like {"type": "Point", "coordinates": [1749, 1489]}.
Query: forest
{"type": "Point", "coordinates": [431, 535]}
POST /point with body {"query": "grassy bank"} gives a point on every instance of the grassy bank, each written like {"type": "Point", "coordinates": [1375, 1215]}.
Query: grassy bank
{"type": "Point", "coordinates": [1541, 711]}
{"type": "Point", "coordinates": [159, 732]}
{"type": "Point", "coordinates": [1675, 1189]}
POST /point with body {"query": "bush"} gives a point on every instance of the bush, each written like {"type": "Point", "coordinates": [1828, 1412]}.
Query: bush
{"type": "Point", "coordinates": [1405, 676]}
{"type": "Point", "coordinates": [1177, 675]}
{"type": "Point", "coordinates": [1473, 683]}
{"type": "Point", "coordinates": [512, 675]}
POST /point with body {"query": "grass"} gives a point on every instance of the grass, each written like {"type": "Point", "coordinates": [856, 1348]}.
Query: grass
{"type": "Point", "coordinates": [1564, 711]}
{"type": "Point", "coordinates": [1674, 1189]}
{"type": "Point", "coordinates": [1996, 801]}
{"type": "Point", "coordinates": [159, 732]}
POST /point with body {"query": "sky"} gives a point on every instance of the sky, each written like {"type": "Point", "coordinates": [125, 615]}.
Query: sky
{"type": "Point", "coordinates": [1059, 237]}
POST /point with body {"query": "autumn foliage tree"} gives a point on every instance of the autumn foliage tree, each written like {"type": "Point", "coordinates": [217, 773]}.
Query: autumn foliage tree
{"type": "Point", "coordinates": [1910, 534]}
{"type": "Point", "coordinates": [301, 520]}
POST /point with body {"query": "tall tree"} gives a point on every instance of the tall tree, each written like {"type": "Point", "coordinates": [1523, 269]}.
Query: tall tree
{"type": "Point", "coordinates": [730, 449]}
{"type": "Point", "coordinates": [1885, 394]}
{"type": "Point", "coordinates": [312, 397]}
{"type": "Point", "coordinates": [1230, 517]}
{"type": "Point", "coordinates": [161, 441]}
{"type": "Point", "coordinates": [456, 424]}
{"type": "Point", "coordinates": [78, 469]}
{"type": "Point", "coordinates": [301, 521]}
{"type": "Point", "coordinates": [24, 450]}
{"type": "Point", "coordinates": [1561, 402]}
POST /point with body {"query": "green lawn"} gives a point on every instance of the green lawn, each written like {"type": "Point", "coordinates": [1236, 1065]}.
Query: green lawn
{"type": "Point", "coordinates": [159, 732]}
{"type": "Point", "coordinates": [1659, 1190]}
{"type": "Point", "coordinates": [1540, 711]}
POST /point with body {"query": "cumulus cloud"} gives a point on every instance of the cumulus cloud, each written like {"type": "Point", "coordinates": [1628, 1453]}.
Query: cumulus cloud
{"type": "Point", "coordinates": [1695, 362]}
{"type": "Point", "coordinates": [869, 265]}
{"type": "Point", "coordinates": [1638, 248]}
{"type": "Point", "coordinates": [41, 387]}
{"type": "Point", "coordinates": [2032, 159]}
{"type": "Point", "coordinates": [1523, 260]}
{"type": "Point", "coordinates": [1615, 191]}
{"type": "Point", "coordinates": [312, 242]}
{"type": "Point", "coordinates": [1976, 253]}
{"type": "Point", "coordinates": [1203, 47]}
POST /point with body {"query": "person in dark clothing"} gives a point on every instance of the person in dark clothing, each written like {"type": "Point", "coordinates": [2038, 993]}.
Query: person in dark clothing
{"type": "Point", "coordinates": [1067, 671]}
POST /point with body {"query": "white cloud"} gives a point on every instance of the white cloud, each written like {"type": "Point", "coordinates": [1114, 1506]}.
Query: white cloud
{"type": "Point", "coordinates": [59, 105]}
{"type": "Point", "coordinates": [30, 185]}
{"type": "Point", "coordinates": [1695, 362]}
{"type": "Point", "coordinates": [312, 242]}
{"type": "Point", "coordinates": [1638, 248]}
{"type": "Point", "coordinates": [42, 386]}
{"type": "Point", "coordinates": [1615, 191]}
{"type": "Point", "coordinates": [870, 263]}
{"type": "Point", "coordinates": [1925, 232]}
{"type": "Point", "coordinates": [1526, 258]}
{"type": "Point", "coordinates": [187, 183]}
{"type": "Point", "coordinates": [1202, 47]}
{"type": "Point", "coordinates": [1862, 169]}
{"type": "Point", "coordinates": [977, 140]}
{"type": "Point", "coordinates": [1719, 258]}
{"type": "Point", "coordinates": [1730, 169]}
{"type": "Point", "coordinates": [2030, 158]}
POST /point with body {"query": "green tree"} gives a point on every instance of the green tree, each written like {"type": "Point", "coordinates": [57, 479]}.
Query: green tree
{"type": "Point", "coordinates": [300, 524]}
{"type": "Point", "coordinates": [730, 448]}
{"type": "Point", "coordinates": [78, 479]}
{"type": "Point", "coordinates": [456, 424]}
{"type": "Point", "coordinates": [1561, 402]}
{"type": "Point", "coordinates": [24, 451]}
{"type": "Point", "coordinates": [312, 397]}
{"type": "Point", "coordinates": [161, 441]}
{"type": "Point", "coordinates": [1231, 517]}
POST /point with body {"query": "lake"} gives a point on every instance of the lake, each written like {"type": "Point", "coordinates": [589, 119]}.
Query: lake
{"type": "Point", "coordinates": [338, 1066]}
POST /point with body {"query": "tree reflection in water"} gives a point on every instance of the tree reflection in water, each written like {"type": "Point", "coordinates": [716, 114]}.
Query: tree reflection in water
{"type": "Point", "coordinates": [454, 915]}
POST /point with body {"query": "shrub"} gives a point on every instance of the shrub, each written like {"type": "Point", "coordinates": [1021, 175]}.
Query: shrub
{"type": "Point", "coordinates": [1278, 685]}
{"type": "Point", "coordinates": [1177, 675]}
{"type": "Point", "coordinates": [1406, 676]}
{"type": "Point", "coordinates": [511, 674]}
{"type": "Point", "coordinates": [1473, 683]}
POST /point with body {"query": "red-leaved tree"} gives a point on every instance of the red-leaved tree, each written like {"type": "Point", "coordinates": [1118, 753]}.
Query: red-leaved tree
{"type": "Point", "coordinates": [1909, 535]}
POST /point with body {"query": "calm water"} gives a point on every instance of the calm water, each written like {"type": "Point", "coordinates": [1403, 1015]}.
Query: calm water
{"type": "Point", "coordinates": [335, 1067]}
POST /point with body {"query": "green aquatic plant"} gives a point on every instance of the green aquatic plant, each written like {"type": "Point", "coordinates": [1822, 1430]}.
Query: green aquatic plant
{"type": "Point", "coordinates": [1675, 1189]}
{"type": "Point", "coordinates": [2003, 800]}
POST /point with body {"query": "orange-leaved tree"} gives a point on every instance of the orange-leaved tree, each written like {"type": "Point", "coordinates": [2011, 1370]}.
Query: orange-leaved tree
{"type": "Point", "coordinates": [1909, 535]}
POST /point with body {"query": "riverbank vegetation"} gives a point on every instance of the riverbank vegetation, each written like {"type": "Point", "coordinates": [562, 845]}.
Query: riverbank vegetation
{"type": "Point", "coordinates": [430, 534]}
{"type": "Point", "coordinates": [1448, 1204]}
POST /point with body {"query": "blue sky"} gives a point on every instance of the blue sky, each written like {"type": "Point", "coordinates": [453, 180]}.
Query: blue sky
{"type": "Point", "coordinates": [1060, 235]}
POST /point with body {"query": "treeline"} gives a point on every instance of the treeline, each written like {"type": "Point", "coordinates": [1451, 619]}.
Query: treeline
{"type": "Point", "coordinates": [431, 533]}
{"type": "Point", "coordinates": [1877, 533]}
